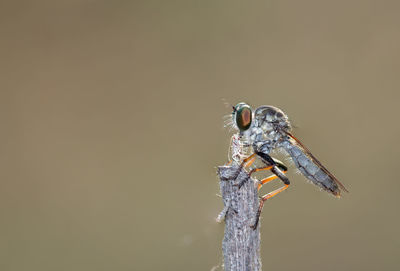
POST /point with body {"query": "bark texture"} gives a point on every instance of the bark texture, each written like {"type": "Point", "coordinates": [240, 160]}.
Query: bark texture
{"type": "Point", "coordinates": [241, 244]}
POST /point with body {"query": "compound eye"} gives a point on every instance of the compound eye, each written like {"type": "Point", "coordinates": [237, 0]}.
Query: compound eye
{"type": "Point", "coordinates": [243, 116]}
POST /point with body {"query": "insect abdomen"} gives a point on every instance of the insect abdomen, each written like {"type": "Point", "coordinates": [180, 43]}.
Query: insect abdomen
{"type": "Point", "coordinates": [310, 170]}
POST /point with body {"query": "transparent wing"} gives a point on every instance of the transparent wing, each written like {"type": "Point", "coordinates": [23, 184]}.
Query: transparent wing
{"type": "Point", "coordinates": [311, 168]}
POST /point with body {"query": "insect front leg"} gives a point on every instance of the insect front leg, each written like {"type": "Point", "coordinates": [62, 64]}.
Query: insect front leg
{"type": "Point", "coordinates": [244, 164]}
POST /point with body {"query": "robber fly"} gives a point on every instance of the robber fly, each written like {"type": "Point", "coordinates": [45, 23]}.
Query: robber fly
{"type": "Point", "coordinates": [267, 129]}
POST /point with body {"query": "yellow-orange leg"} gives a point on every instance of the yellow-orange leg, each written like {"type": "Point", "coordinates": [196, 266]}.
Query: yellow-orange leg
{"type": "Point", "coordinates": [274, 193]}
{"type": "Point", "coordinates": [229, 162]}
{"type": "Point", "coordinates": [260, 169]}
{"type": "Point", "coordinates": [263, 199]}
{"type": "Point", "coordinates": [252, 171]}
{"type": "Point", "coordinates": [251, 157]}
{"type": "Point", "coordinates": [250, 162]}
{"type": "Point", "coordinates": [268, 179]}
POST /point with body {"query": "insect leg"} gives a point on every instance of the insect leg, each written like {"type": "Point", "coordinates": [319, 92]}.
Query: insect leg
{"type": "Point", "coordinates": [277, 168]}
{"type": "Point", "coordinates": [280, 165]}
{"type": "Point", "coordinates": [263, 199]}
{"type": "Point", "coordinates": [249, 159]}
{"type": "Point", "coordinates": [268, 196]}
{"type": "Point", "coordinates": [268, 179]}
{"type": "Point", "coordinates": [252, 171]}
{"type": "Point", "coordinates": [250, 162]}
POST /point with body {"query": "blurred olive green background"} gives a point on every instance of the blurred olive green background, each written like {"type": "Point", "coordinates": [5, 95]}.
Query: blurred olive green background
{"type": "Point", "coordinates": [112, 130]}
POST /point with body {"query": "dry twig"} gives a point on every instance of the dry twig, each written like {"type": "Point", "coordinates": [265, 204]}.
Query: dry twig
{"type": "Point", "coordinates": [241, 244]}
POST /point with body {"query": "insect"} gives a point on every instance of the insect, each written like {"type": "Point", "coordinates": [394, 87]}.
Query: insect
{"type": "Point", "coordinates": [267, 129]}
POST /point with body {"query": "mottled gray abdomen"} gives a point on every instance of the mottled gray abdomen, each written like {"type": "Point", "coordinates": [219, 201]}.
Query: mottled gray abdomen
{"type": "Point", "coordinates": [310, 169]}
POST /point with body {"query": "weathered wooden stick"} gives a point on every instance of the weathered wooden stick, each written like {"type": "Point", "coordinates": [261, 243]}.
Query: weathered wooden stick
{"type": "Point", "coordinates": [241, 244]}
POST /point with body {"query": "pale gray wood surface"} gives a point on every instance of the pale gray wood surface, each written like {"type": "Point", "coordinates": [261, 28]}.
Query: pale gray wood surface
{"type": "Point", "coordinates": [241, 244]}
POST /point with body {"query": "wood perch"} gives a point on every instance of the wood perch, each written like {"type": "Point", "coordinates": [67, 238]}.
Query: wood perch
{"type": "Point", "coordinates": [241, 244]}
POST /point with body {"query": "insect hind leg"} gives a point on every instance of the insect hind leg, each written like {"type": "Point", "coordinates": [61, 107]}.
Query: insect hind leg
{"type": "Point", "coordinates": [276, 169]}
{"type": "Point", "coordinates": [263, 199]}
